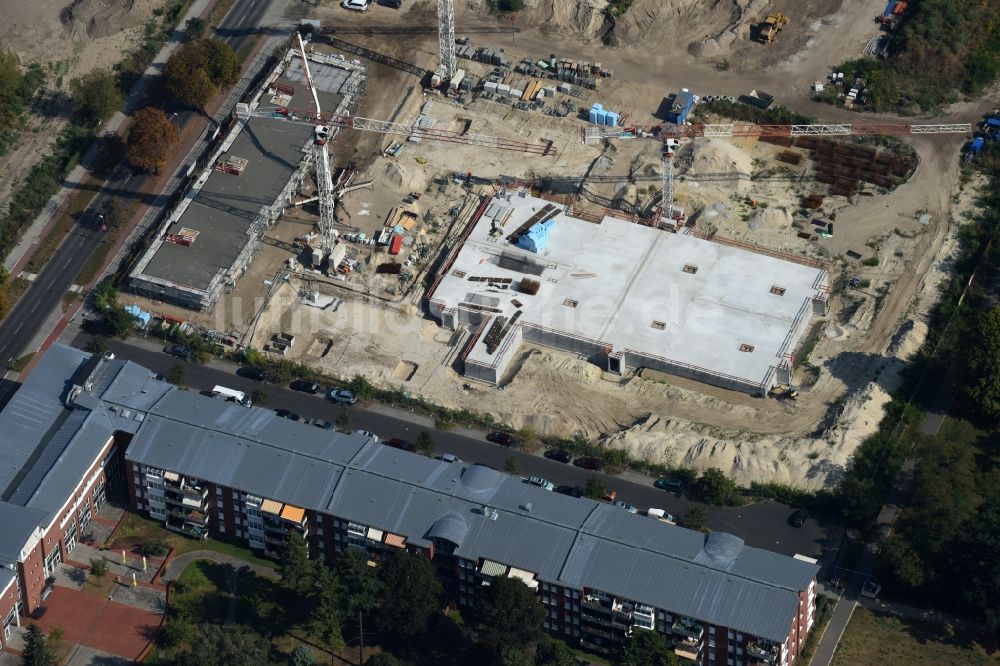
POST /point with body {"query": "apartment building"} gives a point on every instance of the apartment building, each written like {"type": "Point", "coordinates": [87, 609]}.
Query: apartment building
{"type": "Point", "coordinates": [60, 454]}
{"type": "Point", "coordinates": [204, 466]}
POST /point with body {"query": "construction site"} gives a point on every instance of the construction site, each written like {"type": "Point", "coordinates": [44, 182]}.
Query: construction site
{"type": "Point", "coordinates": [564, 245]}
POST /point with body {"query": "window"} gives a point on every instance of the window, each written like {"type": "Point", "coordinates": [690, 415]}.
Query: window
{"type": "Point", "coordinates": [777, 291]}
{"type": "Point", "coordinates": [746, 348]}
{"type": "Point", "coordinates": [570, 303]}
{"type": "Point", "coordinates": [659, 325]}
{"type": "Point", "coordinates": [711, 631]}
{"type": "Point", "coordinates": [690, 268]}
{"type": "Point", "coordinates": [218, 491]}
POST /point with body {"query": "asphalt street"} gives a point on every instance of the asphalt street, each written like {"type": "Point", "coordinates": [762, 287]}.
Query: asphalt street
{"type": "Point", "coordinates": [45, 294]}
{"type": "Point", "coordinates": [763, 524]}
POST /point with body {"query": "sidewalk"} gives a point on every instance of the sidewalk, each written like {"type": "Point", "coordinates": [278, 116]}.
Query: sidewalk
{"type": "Point", "coordinates": [42, 224]}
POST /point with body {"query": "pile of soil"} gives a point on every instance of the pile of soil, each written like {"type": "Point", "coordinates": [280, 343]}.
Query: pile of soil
{"type": "Point", "coordinates": [94, 19]}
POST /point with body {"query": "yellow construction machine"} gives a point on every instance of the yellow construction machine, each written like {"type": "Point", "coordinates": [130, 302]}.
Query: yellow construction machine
{"type": "Point", "coordinates": [771, 26]}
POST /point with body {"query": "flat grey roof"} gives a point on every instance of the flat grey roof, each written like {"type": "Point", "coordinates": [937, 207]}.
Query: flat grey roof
{"type": "Point", "coordinates": [225, 207]}
{"type": "Point", "coordinates": [634, 288]}
{"type": "Point", "coordinates": [564, 540]}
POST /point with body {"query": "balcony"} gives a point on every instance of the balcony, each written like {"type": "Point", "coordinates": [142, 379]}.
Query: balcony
{"type": "Point", "coordinates": [762, 652]}
{"type": "Point", "coordinates": [642, 616]}
{"type": "Point", "coordinates": [597, 601]}
{"type": "Point", "coordinates": [687, 628]}
{"type": "Point", "coordinates": [694, 654]}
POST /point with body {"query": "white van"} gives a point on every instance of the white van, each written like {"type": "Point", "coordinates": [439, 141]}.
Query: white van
{"type": "Point", "coordinates": [356, 5]}
{"type": "Point", "coordinates": [661, 516]}
{"type": "Point", "coordinates": [232, 395]}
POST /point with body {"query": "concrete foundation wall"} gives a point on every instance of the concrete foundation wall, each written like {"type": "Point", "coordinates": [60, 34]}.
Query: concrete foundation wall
{"type": "Point", "coordinates": [636, 361]}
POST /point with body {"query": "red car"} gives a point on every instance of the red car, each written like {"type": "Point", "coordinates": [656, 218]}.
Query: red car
{"type": "Point", "coordinates": [501, 438]}
{"type": "Point", "coordinates": [397, 443]}
{"type": "Point", "coordinates": [587, 462]}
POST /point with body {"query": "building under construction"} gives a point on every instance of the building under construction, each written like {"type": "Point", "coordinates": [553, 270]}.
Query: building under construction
{"type": "Point", "coordinates": [207, 241]}
{"type": "Point", "coordinates": [624, 295]}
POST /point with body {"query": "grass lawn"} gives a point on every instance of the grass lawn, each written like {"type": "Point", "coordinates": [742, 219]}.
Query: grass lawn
{"type": "Point", "coordinates": [100, 588]}
{"type": "Point", "coordinates": [872, 638]}
{"type": "Point", "coordinates": [134, 526]}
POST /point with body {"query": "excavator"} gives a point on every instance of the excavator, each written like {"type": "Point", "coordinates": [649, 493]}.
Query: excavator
{"type": "Point", "coordinates": [772, 25]}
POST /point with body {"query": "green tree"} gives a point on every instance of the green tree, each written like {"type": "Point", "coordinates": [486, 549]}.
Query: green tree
{"type": "Point", "coordinates": [98, 567]}
{"type": "Point", "coordinates": [715, 488]}
{"type": "Point", "coordinates": [97, 345]}
{"type": "Point", "coordinates": [361, 388]}
{"type": "Point", "coordinates": [595, 488]}
{"type": "Point", "coordinates": [984, 364]}
{"type": "Point", "coordinates": [151, 139]}
{"type": "Point", "coordinates": [199, 70]}
{"type": "Point", "coordinates": [551, 652]}
{"type": "Point", "coordinates": [177, 374]}
{"type": "Point", "coordinates": [254, 358]}
{"type": "Point", "coordinates": [343, 420]}
{"type": "Point", "coordinates": [514, 655]}
{"type": "Point", "coordinates": [425, 444]}
{"type": "Point", "coordinates": [414, 595]}
{"type": "Point", "coordinates": [362, 588]}
{"type": "Point", "coordinates": [225, 644]}
{"type": "Point", "coordinates": [105, 295]}
{"type": "Point", "coordinates": [695, 519]}
{"type": "Point", "coordinates": [976, 572]}
{"type": "Point", "coordinates": [119, 322]}
{"type": "Point", "coordinates": [326, 622]}
{"type": "Point", "coordinates": [511, 466]}
{"type": "Point", "coordinates": [258, 396]}
{"type": "Point", "coordinates": [96, 95]}
{"type": "Point", "coordinates": [507, 612]}
{"type": "Point", "coordinates": [195, 28]}
{"type": "Point", "coordinates": [37, 651]}
{"type": "Point", "coordinates": [648, 648]}
{"type": "Point", "coordinates": [297, 570]}
{"type": "Point", "coordinates": [113, 213]}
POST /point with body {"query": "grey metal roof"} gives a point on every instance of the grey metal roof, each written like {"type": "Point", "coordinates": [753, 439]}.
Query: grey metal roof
{"type": "Point", "coordinates": [34, 410]}
{"type": "Point", "coordinates": [487, 514]}
{"type": "Point", "coordinates": [19, 523]}
{"type": "Point", "coordinates": [7, 578]}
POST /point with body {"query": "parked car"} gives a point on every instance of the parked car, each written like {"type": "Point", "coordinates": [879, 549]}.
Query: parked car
{"type": "Point", "coordinates": [355, 5]}
{"type": "Point", "coordinates": [671, 484]}
{"type": "Point", "coordinates": [541, 483]}
{"type": "Point", "coordinates": [587, 462]}
{"type": "Point", "coordinates": [367, 433]}
{"type": "Point", "coordinates": [182, 352]}
{"type": "Point", "coordinates": [572, 491]}
{"type": "Point", "coordinates": [500, 437]}
{"type": "Point", "coordinates": [559, 455]}
{"type": "Point", "coordinates": [449, 458]}
{"type": "Point", "coordinates": [628, 507]}
{"type": "Point", "coordinates": [398, 443]}
{"type": "Point", "coordinates": [305, 387]}
{"type": "Point", "coordinates": [342, 396]}
{"type": "Point", "coordinates": [661, 516]}
{"type": "Point", "coordinates": [320, 423]}
{"type": "Point", "coordinates": [250, 372]}
{"type": "Point", "coordinates": [287, 414]}
{"type": "Point", "coordinates": [798, 519]}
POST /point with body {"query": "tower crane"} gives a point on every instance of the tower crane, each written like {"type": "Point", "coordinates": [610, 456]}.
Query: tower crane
{"type": "Point", "coordinates": [446, 40]}
{"type": "Point", "coordinates": [671, 135]}
{"type": "Point", "coordinates": [324, 124]}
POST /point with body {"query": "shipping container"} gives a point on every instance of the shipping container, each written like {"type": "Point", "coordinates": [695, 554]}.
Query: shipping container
{"type": "Point", "coordinates": [680, 107]}
{"type": "Point", "coordinates": [396, 244]}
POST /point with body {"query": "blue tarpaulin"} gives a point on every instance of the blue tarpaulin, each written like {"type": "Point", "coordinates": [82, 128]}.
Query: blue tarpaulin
{"type": "Point", "coordinates": [139, 314]}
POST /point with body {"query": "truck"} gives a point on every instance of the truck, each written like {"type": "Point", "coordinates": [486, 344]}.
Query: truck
{"type": "Point", "coordinates": [231, 395]}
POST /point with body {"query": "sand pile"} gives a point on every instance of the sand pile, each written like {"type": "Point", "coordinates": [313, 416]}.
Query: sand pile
{"type": "Point", "coordinates": [743, 457]}
{"type": "Point", "coordinates": [93, 19]}
{"type": "Point", "coordinates": [405, 179]}
{"type": "Point", "coordinates": [718, 156]}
